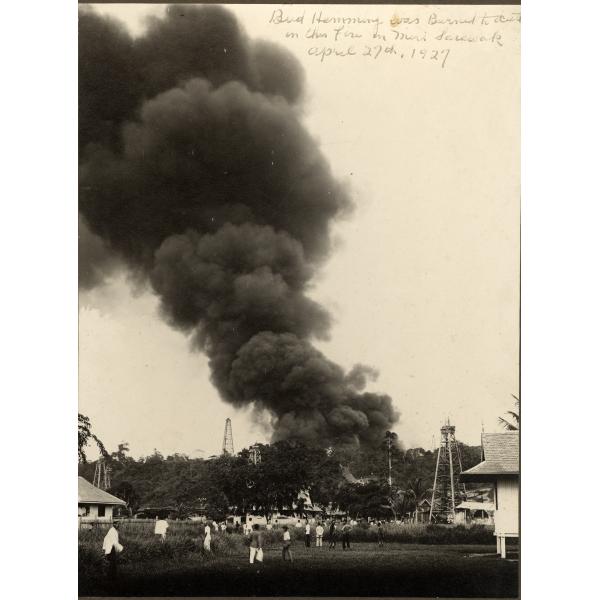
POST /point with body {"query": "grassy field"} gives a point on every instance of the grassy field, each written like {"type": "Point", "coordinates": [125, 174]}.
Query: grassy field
{"type": "Point", "coordinates": [365, 570]}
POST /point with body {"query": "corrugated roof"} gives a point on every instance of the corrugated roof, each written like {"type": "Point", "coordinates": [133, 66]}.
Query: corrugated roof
{"type": "Point", "coordinates": [468, 505]}
{"type": "Point", "coordinates": [90, 494]}
{"type": "Point", "coordinates": [501, 454]}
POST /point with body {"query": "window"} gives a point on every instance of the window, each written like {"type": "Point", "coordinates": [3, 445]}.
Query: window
{"type": "Point", "coordinates": [101, 510]}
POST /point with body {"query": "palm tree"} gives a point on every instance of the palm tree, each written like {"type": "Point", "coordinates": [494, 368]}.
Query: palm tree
{"type": "Point", "coordinates": [84, 435]}
{"type": "Point", "coordinates": [415, 493]}
{"type": "Point", "coordinates": [513, 423]}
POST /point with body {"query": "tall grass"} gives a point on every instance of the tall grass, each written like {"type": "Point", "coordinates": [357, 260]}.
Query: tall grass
{"type": "Point", "coordinates": [184, 538]}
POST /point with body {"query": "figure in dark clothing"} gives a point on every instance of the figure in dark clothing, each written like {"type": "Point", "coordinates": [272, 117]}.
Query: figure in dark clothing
{"type": "Point", "coordinates": [346, 536]}
{"type": "Point", "coordinates": [332, 535]}
{"type": "Point", "coordinates": [379, 533]}
{"type": "Point", "coordinates": [307, 534]}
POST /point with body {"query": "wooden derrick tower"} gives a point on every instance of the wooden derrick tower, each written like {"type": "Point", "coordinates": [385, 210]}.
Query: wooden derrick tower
{"type": "Point", "coordinates": [102, 474]}
{"type": "Point", "coordinates": [228, 439]}
{"type": "Point", "coordinates": [447, 491]}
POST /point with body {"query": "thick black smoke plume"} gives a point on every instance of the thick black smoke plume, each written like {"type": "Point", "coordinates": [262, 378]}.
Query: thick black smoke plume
{"type": "Point", "coordinates": [198, 176]}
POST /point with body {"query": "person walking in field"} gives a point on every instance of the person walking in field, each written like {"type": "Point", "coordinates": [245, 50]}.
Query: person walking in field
{"type": "Point", "coordinates": [332, 534]}
{"type": "Point", "coordinates": [112, 548]}
{"type": "Point", "coordinates": [256, 544]}
{"type": "Point", "coordinates": [346, 535]}
{"type": "Point", "coordinates": [319, 531]}
{"type": "Point", "coordinates": [207, 537]}
{"type": "Point", "coordinates": [160, 529]}
{"type": "Point", "coordinates": [287, 542]}
{"type": "Point", "coordinates": [379, 533]}
{"type": "Point", "coordinates": [307, 534]}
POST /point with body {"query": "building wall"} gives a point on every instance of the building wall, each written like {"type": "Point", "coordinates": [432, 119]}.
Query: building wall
{"type": "Point", "coordinates": [92, 513]}
{"type": "Point", "coordinates": [506, 517]}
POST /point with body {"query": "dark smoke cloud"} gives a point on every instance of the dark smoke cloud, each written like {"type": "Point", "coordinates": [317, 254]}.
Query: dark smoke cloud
{"type": "Point", "coordinates": [197, 173]}
{"type": "Point", "coordinates": [96, 261]}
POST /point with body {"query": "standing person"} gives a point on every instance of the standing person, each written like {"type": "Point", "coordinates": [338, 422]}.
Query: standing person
{"type": "Point", "coordinates": [307, 534]}
{"type": "Point", "coordinates": [379, 533]}
{"type": "Point", "coordinates": [256, 544]}
{"type": "Point", "coordinates": [346, 535]}
{"type": "Point", "coordinates": [112, 548]}
{"type": "Point", "coordinates": [319, 530]}
{"type": "Point", "coordinates": [332, 534]}
{"type": "Point", "coordinates": [287, 542]}
{"type": "Point", "coordinates": [207, 536]}
{"type": "Point", "coordinates": [298, 524]}
{"type": "Point", "coordinates": [160, 529]}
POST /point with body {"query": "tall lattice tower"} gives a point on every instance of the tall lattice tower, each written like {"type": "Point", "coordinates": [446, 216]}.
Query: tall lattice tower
{"type": "Point", "coordinates": [228, 439]}
{"type": "Point", "coordinates": [102, 474]}
{"type": "Point", "coordinates": [447, 491]}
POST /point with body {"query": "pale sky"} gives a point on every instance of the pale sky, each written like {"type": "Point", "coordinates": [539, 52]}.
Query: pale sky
{"type": "Point", "coordinates": [423, 285]}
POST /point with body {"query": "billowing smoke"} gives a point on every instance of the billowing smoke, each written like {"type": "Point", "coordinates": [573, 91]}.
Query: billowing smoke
{"type": "Point", "coordinates": [199, 177]}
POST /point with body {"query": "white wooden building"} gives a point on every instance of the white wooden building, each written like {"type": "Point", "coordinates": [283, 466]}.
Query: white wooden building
{"type": "Point", "coordinates": [95, 505]}
{"type": "Point", "coordinates": [501, 468]}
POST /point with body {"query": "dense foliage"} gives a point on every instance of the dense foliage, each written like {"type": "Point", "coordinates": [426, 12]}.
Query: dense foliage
{"type": "Point", "coordinates": [218, 485]}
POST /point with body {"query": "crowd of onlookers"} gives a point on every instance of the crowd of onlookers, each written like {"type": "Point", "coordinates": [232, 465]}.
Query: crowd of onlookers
{"type": "Point", "coordinates": [330, 530]}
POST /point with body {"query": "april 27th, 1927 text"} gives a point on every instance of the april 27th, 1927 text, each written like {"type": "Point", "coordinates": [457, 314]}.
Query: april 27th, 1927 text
{"type": "Point", "coordinates": [417, 33]}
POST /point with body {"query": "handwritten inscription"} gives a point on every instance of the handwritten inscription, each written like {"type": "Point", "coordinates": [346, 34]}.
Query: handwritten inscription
{"type": "Point", "coordinates": [428, 35]}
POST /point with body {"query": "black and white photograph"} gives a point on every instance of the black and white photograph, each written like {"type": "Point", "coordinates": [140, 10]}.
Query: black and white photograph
{"type": "Point", "coordinates": [299, 368]}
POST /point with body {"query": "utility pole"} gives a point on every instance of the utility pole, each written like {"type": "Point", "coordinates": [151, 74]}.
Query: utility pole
{"type": "Point", "coordinates": [389, 438]}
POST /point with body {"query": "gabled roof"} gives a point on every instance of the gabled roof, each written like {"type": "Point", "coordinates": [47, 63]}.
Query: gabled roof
{"type": "Point", "coordinates": [501, 457]}
{"type": "Point", "coordinates": [90, 494]}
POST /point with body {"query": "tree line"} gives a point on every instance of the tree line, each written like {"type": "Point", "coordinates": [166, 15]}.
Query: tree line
{"type": "Point", "coordinates": [339, 479]}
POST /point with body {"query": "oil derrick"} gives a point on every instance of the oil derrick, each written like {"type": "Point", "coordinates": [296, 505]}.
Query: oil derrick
{"type": "Point", "coordinates": [228, 439]}
{"type": "Point", "coordinates": [102, 474]}
{"type": "Point", "coordinates": [447, 491]}
{"type": "Point", "coordinates": [254, 454]}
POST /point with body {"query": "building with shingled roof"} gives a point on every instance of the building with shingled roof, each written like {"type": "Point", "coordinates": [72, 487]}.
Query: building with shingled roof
{"type": "Point", "coordinates": [95, 505]}
{"type": "Point", "coordinates": [501, 468]}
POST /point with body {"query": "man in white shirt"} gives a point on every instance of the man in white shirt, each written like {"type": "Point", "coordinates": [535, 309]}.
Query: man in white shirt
{"type": "Point", "coordinates": [160, 528]}
{"type": "Point", "coordinates": [207, 536]}
{"type": "Point", "coordinates": [111, 548]}
{"type": "Point", "coordinates": [319, 530]}
{"type": "Point", "coordinates": [307, 534]}
{"type": "Point", "coordinates": [287, 542]}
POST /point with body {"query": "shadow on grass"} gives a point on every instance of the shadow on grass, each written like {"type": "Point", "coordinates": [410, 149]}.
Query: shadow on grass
{"type": "Point", "coordinates": [451, 571]}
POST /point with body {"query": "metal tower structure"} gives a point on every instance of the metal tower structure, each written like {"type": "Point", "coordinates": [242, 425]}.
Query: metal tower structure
{"type": "Point", "coordinates": [447, 491]}
{"type": "Point", "coordinates": [102, 474]}
{"type": "Point", "coordinates": [228, 439]}
{"type": "Point", "coordinates": [254, 456]}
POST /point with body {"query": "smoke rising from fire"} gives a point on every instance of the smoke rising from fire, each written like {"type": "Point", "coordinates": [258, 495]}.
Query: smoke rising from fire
{"type": "Point", "coordinates": [197, 174]}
